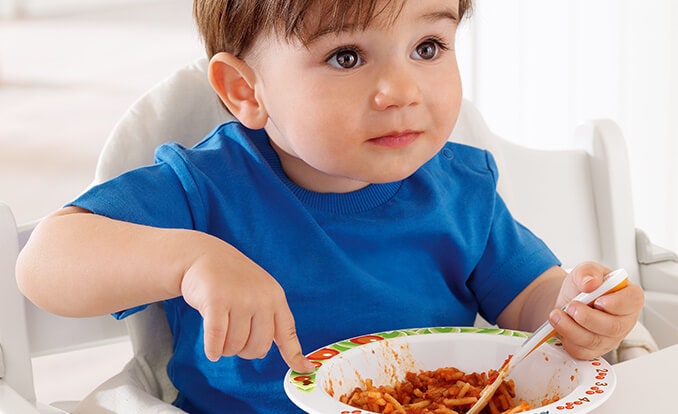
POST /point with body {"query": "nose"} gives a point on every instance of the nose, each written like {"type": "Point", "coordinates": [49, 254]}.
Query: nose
{"type": "Point", "coordinates": [397, 87]}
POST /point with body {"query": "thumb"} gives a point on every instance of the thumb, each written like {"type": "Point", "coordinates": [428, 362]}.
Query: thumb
{"type": "Point", "coordinates": [288, 344]}
{"type": "Point", "coordinates": [585, 277]}
{"type": "Point", "coordinates": [588, 276]}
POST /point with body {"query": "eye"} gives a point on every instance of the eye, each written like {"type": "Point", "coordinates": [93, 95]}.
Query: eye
{"type": "Point", "coordinates": [428, 49]}
{"type": "Point", "coordinates": [345, 59]}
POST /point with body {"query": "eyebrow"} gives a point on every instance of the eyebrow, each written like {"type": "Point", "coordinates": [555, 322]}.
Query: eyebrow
{"type": "Point", "coordinates": [442, 15]}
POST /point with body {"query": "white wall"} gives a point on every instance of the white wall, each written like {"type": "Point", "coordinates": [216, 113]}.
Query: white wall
{"type": "Point", "coordinates": [24, 8]}
{"type": "Point", "coordinates": [538, 68]}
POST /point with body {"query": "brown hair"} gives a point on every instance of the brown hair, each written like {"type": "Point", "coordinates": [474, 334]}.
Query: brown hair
{"type": "Point", "coordinates": [233, 25]}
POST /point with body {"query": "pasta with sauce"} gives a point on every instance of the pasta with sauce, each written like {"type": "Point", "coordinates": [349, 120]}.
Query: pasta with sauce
{"type": "Point", "coordinates": [442, 391]}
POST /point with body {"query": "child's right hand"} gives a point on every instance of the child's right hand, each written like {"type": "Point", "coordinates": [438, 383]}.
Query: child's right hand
{"type": "Point", "coordinates": [243, 307]}
{"type": "Point", "coordinates": [80, 264]}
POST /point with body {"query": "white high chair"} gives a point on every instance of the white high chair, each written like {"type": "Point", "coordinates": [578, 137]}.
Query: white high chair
{"type": "Point", "coordinates": [577, 200]}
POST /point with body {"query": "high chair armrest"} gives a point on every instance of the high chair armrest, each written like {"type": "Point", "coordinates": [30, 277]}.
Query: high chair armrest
{"type": "Point", "coordinates": [658, 266]}
{"type": "Point", "coordinates": [649, 253]}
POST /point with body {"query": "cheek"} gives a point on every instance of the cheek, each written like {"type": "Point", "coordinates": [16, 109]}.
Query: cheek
{"type": "Point", "coordinates": [446, 102]}
{"type": "Point", "coordinates": [322, 136]}
{"type": "Point", "coordinates": [300, 105]}
{"type": "Point", "coordinates": [309, 131]}
{"type": "Point", "coordinates": [317, 112]}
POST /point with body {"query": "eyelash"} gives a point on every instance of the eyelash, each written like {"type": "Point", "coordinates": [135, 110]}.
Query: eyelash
{"type": "Point", "coordinates": [440, 44]}
{"type": "Point", "coordinates": [444, 46]}
{"type": "Point", "coordinates": [347, 48]}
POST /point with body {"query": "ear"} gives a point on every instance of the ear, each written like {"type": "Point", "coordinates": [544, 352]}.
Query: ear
{"type": "Point", "coordinates": [234, 81]}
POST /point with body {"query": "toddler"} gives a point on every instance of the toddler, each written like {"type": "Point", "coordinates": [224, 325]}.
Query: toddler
{"type": "Point", "coordinates": [334, 207]}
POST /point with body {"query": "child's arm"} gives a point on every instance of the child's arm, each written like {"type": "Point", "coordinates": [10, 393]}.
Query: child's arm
{"type": "Point", "coordinates": [586, 332]}
{"type": "Point", "coordinates": [81, 264]}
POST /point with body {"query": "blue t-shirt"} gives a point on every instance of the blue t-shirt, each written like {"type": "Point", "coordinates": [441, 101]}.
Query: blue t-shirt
{"type": "Point", "coordinates": [431, 250]}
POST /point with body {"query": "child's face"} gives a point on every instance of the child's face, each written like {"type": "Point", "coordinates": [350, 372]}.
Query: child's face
{"type": "Point", "coordinates": [362, 106]}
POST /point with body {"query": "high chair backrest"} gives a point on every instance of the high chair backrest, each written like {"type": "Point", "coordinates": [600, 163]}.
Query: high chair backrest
{"type": "Point", "coordinates": [183, 108]}
{"type": "Point", "coordinates": [577, 200]}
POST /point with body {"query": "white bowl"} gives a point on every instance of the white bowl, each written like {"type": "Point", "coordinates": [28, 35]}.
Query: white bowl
{"type": "Point", "coordinates": [385, 358]}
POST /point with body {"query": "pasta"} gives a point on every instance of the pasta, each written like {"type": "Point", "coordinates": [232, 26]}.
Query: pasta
{"type": "Point", "coordinates": [442, 391]}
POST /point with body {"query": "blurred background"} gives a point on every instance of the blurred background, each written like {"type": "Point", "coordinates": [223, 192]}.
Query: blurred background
{"type": "Point", "coordinates": [68, 71]}
{"type": "Point", "coordinates": [535, 68]}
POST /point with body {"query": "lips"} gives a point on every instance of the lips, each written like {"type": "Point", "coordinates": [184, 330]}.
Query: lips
{"type": "Point", "coordinates": [398, 139]}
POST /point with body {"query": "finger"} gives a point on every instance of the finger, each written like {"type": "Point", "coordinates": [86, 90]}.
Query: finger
{"type": "Point", "coordinates": [577, 341]}
{"type": "Point", "coordinates": [596, 321]}
{"type": "Point", "coordinates": [261, 337]}
{"type": "Point", "coordinates": [288, 343]}
{"type": "Point", "coordinates": [215, 326]}
{"type": "Point", "coordinates": [588, 276]}
{"type": "Point", "coordinates": [238, 333]}
{"type": "Point", "coordinates": [627, 301]}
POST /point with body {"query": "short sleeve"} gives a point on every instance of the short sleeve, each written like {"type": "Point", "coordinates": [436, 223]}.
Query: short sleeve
{"type": "Point", "coordinates": [513, 258]}
{"type": "Point", "coordinates": [152, 196]}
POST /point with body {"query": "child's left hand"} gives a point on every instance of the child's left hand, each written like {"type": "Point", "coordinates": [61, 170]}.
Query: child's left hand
{"type": "Point", "coordinates": [589, 332]}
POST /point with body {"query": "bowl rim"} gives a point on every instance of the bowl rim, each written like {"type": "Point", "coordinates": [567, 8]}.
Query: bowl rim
{"type": "Point", "coordinates": [306, 393]}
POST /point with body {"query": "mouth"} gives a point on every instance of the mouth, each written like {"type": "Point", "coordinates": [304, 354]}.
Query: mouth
{"type": "Point", "coordinates": [396, 139]}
